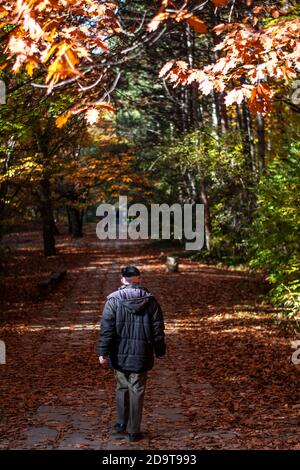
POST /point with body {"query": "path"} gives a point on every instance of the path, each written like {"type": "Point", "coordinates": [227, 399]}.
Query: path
{"type": "Point", "coordinates": [227, 381]}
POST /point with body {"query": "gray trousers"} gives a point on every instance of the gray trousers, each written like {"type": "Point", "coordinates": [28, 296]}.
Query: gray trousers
{"type": "Point", "coordinates": [130, 397]}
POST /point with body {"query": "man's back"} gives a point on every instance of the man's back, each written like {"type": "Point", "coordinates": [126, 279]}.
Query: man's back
{"type": "Point", "coordinates": [132, 329]}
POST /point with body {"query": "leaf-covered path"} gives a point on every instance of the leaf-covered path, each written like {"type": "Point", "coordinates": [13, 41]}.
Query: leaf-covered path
{"type": "Point", "coordinates": [227, 381]}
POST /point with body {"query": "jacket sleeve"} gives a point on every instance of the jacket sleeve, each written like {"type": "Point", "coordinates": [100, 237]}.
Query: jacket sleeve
{"type": "Point", "coordinates": [158, 328]}
{"type": "Point", "coordinates": [107, 328]}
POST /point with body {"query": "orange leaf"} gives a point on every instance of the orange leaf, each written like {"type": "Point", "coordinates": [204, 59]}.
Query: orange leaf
{"type": "Point", "coordinates": [3, 12]}
{"type": "Point", "coordinates": [30, 66]}
{"type": "Point", "coordinates": [48, 53]}
{"type": "Point", "coordinates": [155, 22]}
{"type": "Point", "coordinates": [198, 25]}
{"type": "Point", "coordinates": [275, 14]}
{"type": "Point", "coordinates": [220, 3]}
{"type": "Point", "coordinates": [220, 28]}
{"type": "Point", "coordinates": [61, 120]}
{"type": "Point", "coordinates": [166, 68]}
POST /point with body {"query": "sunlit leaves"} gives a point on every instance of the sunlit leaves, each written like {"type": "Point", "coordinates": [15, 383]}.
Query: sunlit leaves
{"type": "Point", "coordinates": [251, 60]}
{"type": "Point", "coordinates": [179, 15]}
{"type": "Point", "coordinates": [54, 33]}
{"type": "Point", "coordinates": [157, 20]}
{"type": "Point", "coordinates": [91, 112]}
{"type": "Point", "coordinates": [92, 115]}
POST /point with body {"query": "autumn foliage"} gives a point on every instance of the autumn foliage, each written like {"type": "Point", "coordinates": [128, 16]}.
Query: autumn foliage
{"type": "Point", "coordinates": [61, 38]}
{"type": "Point", "coordinates": [57, 39]}
{"type": "Point", "coordinates": [252, 56]}
{"type": "Point", "coordinates": [55, 33]}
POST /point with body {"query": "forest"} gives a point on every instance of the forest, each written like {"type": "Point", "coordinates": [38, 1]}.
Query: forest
{"type": "Point", "coordinates": [198, 107]}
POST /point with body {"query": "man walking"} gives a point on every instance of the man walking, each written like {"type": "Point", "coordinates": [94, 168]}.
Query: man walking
{"type": "Point", "coordinates": [132, 331]}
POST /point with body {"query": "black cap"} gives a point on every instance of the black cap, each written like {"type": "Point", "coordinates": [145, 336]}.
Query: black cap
{"type": "Point", "coordinates": [130, 271]}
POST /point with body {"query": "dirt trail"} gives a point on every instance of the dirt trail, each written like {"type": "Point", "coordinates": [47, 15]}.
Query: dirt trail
{"type": "Point", "coordinates": [227, 381]}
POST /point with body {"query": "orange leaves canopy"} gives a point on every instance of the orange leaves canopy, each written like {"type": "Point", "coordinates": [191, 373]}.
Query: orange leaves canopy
{"type": "Point", "coordinates": [54, 33]}
{"type": "Point", "coordinates": [250, 58]}
{"type": "Point", "coordinates": [60, 38]}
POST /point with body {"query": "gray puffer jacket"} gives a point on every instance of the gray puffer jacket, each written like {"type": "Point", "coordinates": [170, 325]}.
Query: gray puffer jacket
{"type": "Point", "coordinates": [132, 329]}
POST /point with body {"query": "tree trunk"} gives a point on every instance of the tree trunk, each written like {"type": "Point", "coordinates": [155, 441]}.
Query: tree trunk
{"type": "Point", "coordinates": [261, 145]}
{"type": "Point", "coordinates": [219, 97]}
{"type": "Point", "coordinates": [247, 125]}
{"type": "Point", "coordinates": [4, 184]}
{"type": "Point", "coordinates": [193, 90]}
{"type": "Point", "coordinates": [207, 222]}
{"type": "Point", "coordinates": [47, 218]}
{"type": "Point", "coordinates": [55, 229]}
{"type": "Point", "coordinates": [75, 218]}
{"type": "Point", "coordinates": [69, 221]}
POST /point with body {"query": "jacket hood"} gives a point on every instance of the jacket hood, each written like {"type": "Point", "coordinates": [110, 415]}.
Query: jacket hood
{"type": "Point", "coordinates": [133, 298]}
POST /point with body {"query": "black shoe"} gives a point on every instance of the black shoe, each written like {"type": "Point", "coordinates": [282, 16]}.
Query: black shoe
{"type": "Point", "coordinates": [119, 428]}
{"type": "Point", "coordinates": [135, 437]}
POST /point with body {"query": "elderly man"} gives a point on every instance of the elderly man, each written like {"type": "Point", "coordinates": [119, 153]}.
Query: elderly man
{"type": "Point", "coordinates": [132, 331]}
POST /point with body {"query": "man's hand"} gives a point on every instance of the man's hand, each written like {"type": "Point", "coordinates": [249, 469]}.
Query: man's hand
{"type": "Point", "coordinates": [103, 360]}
